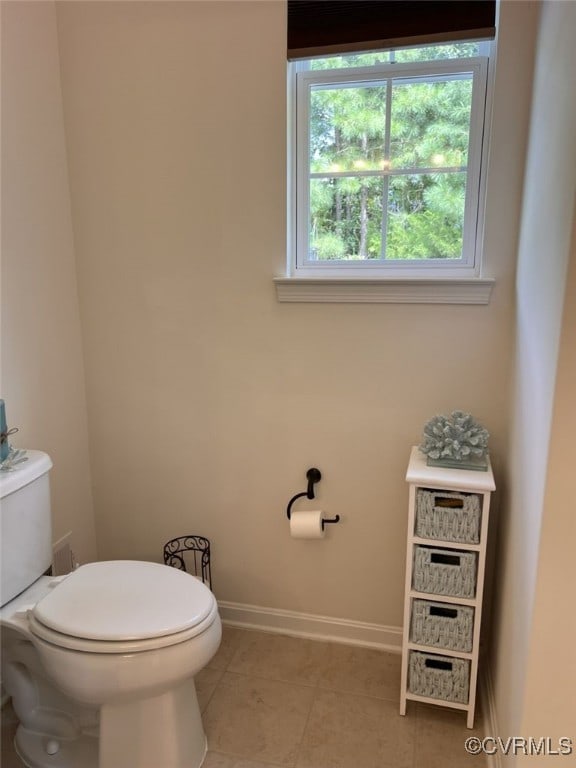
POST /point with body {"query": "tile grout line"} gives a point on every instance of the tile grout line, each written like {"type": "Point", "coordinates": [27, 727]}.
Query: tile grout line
{"type": "Point", "coordinates": [318, 686]}
{"type": "Point", "coordinates": [317, 689]}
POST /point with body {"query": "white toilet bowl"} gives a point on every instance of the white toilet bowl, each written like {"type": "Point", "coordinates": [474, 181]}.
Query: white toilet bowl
{"type": "Point", "coordinates": [126, 638]}
{"type": "Point", "coordinates": [100, 663]}
{"type": "Point", "coordinates": [47, 717]}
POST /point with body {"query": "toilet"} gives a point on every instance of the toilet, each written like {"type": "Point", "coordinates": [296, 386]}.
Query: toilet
{"type": "Point", "coordinates": [99, 663]}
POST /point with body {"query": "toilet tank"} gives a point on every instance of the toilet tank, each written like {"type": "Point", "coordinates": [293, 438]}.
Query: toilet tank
{"type": "Point", "coordinates": [25, 525]}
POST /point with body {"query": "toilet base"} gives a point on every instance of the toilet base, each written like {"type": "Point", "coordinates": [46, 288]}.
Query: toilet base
{"type": "Point", "coordinates": [164, 730]}
{"type": "Point", "coordinates": [72, 753]}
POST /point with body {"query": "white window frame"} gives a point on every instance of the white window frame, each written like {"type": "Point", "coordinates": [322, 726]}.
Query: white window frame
{"type": "Point", "coordinates": [434, 280]}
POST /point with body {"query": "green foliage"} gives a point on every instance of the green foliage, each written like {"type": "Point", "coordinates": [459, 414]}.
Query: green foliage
{"type": "Point", "coordinates": [399, 56]}
{"type": "Point", "coordinates": [328, 246]}
{"type": "Point", "coordinates": [425, 215]}
{"type": "Point", "coordinates": [429, 129]}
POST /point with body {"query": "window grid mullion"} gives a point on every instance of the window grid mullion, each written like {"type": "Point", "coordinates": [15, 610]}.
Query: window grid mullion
{"type": "Point", "coordinates": [413, 171]}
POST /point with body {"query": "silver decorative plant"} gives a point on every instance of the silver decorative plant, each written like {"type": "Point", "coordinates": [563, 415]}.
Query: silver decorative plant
{"type": "Point", "coordinates": [457, 440]}
{"type": "Point", "coordinates": [16, 456]}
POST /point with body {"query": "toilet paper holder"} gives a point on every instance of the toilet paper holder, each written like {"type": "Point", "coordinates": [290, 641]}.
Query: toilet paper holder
{"type": "Point", "coordinates": [314, 476]}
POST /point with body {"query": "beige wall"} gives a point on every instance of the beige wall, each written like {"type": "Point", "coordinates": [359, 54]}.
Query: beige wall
{"type": "Point", "coordinates": [42, 376]}
{"type": "Point", "coordinates": [551, 675]}
{"type": "Point", "coordinates": [207, 399]}
{"type": "Point", "coordinates": [542, 261]}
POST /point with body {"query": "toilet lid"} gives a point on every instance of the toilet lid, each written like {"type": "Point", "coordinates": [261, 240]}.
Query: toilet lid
{"type": "Point", "coordinates": [125, 600]}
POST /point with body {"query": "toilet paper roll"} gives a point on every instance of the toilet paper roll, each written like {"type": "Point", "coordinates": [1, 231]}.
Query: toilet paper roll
{"type": "Point", "coordinates": [306, 524]}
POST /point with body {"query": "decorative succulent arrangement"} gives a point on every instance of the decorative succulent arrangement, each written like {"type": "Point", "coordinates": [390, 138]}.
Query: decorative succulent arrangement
{"type": "Point", "coordinates": [455, 438]}
{"type": "Point", "coordinates": [15, 457]}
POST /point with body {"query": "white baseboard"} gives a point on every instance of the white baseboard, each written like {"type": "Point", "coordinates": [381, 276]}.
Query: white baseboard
{"type": "Point", "coordinates": [311, 626]}
{"type": "Point", "coordinates": [490, 716]}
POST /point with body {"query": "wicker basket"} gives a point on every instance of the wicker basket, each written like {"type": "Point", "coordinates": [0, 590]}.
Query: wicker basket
{"type": "Point", "coordinates": [442, 625]}
{"type": "Point", "coordinates": [444, 571]}
{"type": "Point", "coordinates": [439, 677]}
{"type": "Point", "coordinates": [448, 516]}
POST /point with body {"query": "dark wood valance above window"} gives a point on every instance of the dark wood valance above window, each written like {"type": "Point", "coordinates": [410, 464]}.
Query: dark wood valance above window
{"type": "Point", "coordinates": [322, 27]}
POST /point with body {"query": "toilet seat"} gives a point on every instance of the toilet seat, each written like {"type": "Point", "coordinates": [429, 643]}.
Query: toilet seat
{"type": "Point", "coordinates": [128, 646]}
{"type": "Point", "coordinates": [123, 606]}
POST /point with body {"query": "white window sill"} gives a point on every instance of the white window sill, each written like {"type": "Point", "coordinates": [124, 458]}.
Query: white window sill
{"type": "Point", "coordinates": [384, 291]}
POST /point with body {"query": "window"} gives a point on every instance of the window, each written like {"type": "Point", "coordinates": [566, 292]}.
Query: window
{"type": "Point", "coordinates": [387, 163]}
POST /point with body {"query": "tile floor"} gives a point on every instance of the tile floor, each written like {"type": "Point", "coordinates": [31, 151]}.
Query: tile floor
{"type": "Point", "coordinates": [271, 700]}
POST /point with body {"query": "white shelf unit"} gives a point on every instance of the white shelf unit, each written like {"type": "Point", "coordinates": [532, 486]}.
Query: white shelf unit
{"type": "Point", "coordinates": [447, 480]}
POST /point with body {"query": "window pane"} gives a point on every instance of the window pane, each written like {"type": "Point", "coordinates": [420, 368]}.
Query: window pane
{"type": "Point", "coordinates": [426, 216]}
{"type": "Point", "coordinates": [431, 52]}
{"type": "Point", "coordinates": [351, 60]}
{"type": "Point", "coordinates": [345, 218]}
{"type": "Point", "coordinates": [398, 55]}
{"type": "Point", "coordinates": [430, 123]}
{"type": "Point", "coordinates": [347, 128]}
{"type": "Point", "coordinates": [383, 157]}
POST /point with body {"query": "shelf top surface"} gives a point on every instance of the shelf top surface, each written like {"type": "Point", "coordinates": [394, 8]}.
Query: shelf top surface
{"type": "Point", "coordinates": [419, 473]}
